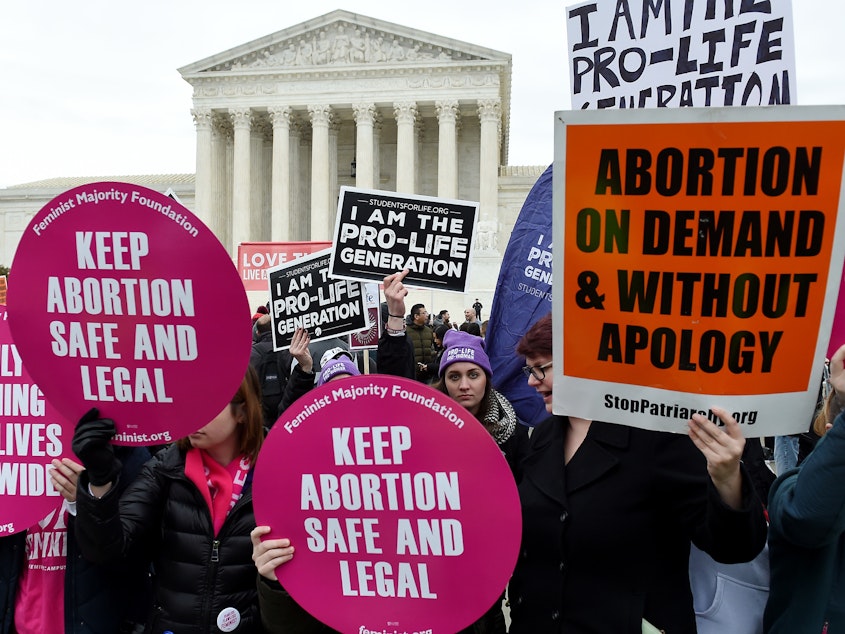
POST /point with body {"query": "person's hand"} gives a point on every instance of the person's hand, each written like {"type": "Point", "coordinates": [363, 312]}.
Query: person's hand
{"type": "Point", "coordinates": [64, 475]}
{"type": "Point", "coordinates": [299, 349]}
{"type": "Point", "coordinates": [395, 292]}
{"type": "Point", "coordinates": [722, 447]}
{"type": "Point", "coordinates": [92, 445]}
{"type": "Point", "coordinates": [837, 371]}
{"type": "Point", "coordinates": [270, 553]}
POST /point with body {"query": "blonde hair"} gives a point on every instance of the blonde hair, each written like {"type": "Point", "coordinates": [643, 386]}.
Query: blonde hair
{"type": "Point", "coordinates": [830, 409]}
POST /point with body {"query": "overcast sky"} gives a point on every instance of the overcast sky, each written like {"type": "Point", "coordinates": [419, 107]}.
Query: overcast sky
{"type": "Point", "coordinates": [91, 88]}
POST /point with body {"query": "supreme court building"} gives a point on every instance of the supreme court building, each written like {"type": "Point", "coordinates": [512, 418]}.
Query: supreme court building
{"type": "Point", "coordinates": [284, 121]}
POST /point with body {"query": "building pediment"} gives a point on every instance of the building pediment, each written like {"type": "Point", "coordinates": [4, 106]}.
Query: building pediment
{"type": "Point", "coordinates": [342, 39]}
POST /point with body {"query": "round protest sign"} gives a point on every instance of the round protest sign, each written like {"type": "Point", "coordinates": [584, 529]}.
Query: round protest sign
{"type": "Point", "coordinates": [404, 514]}
{"type": "Point", "coordinates": [122, 299]}
{"type": "Point", "coordinates": [32, 434]}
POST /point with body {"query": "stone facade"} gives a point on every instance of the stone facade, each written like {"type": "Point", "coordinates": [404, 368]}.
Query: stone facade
{"type": "Point", "coordinates": [286, 120]}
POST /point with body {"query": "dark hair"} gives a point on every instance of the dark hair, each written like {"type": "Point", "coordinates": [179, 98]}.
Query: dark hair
{"type": "Point", "coordinates": [471, 327]}
{"type": "Point", "coordinates": [537, 342]}
{"type": "Point", "coordinates": [441, 330]}
{"type": "Point", "coordinates": [415, 309]}
{"type": "Point", "coordinates": [442, 312]}
{"type": "Point", "coordinates": [248, 400]}
{"type": "Point", "coordinates": [263, 324]}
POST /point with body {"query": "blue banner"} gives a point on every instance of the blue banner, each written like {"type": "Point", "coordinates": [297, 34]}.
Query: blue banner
{"type": "Point", "coordinates": [523, 295]}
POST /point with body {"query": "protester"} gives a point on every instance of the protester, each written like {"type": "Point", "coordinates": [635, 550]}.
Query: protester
{"type": "Point", "coordinates": [47, 587]}
{"type": "Point", "coordinates": [443, 319]}
{"type": "Point", "coordinates": [433, 366]}
{"type": "Point", "coordinates": [609, 512]}
{"type": "Point", "coordinates": [471, 317]}
{"type": "Point", "coordinates": [273, 368]}
{"type": "Point", "coordinates": [260, 310]}
{"type": "Point", "coordinates": [466, 376]}
{"type": "Point", "coordinates": [807, 532]}
{"type": "Point", "coordinates": [471, 328]}
{"type": "Point", "coordinates": [337, 369]}
{"type": "Point", "coordinates": [470, 378]}
{"type": "Point", "coordinates": [190, 509]}
{"type": "Point", "coordinates": [422, 337]}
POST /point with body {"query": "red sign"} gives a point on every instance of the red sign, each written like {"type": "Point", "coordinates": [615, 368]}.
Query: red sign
{"type": "Point", "coordinates": [254, 258]}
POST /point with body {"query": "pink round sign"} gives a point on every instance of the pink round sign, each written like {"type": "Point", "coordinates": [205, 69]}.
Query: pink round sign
{"type": "Point", "coordinates": [120, 298]}
{"type": "Point", "coordinates": [32, 435]}
{"type": "Point", "coordinates": [837, 334]}
{"type": "Point", "coordinates": [404, 514]}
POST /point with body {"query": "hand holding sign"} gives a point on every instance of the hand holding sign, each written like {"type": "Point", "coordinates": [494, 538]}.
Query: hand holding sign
{"type": "Point", "coordinates": [723, 451]}
{"type": "Point", "coordinates": [64, 475]}
{"type": "Point", "coordinates": [269, 554]}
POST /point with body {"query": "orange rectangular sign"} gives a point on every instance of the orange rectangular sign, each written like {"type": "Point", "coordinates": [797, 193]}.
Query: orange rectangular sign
{"type": "Point", "coordinates": [698, 257]}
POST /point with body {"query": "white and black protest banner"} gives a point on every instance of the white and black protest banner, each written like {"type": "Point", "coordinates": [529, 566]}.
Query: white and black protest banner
{"type": "Point", "coordinates": [655, 53]}
{"type": "Point", "coordinates": [378, 233]}
{"type": "Point", "coordinates": [304, 295]}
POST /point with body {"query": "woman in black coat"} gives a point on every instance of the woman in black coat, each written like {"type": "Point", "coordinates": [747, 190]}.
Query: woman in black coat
{"type": "Point", "coordinates": [609, 512]}
{"type": "Point", "coordinates": [190, 510]}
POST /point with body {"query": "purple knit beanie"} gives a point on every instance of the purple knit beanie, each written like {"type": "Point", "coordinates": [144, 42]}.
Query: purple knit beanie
{"type": "Point", "coordinates": [462, 346]}
{"type": "Point", "coordinates": [336, 367]}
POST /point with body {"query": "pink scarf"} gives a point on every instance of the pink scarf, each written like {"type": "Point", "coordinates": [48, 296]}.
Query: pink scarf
{"type": "Point", "coordinates": [219, 486]}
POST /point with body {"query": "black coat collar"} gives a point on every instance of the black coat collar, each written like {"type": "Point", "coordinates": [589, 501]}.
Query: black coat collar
{"type": "Point", "coordinates": [544, 464]}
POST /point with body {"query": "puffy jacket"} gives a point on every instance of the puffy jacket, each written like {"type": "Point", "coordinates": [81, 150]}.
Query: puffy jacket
{"type": "Point", "coordinates": [423, 339]}
{"type": "Point", "coordinates": [197, 575]}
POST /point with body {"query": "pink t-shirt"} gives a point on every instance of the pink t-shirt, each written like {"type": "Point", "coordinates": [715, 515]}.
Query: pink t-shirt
{"type": "Point", "coordinates": [40, 602]}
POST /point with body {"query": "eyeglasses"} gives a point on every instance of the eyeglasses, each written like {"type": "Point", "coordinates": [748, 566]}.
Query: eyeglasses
{"type": "Point", "coordinates": [537, 371]}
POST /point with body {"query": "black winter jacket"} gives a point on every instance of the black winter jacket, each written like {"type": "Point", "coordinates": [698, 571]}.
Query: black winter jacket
{"type": "Point", "coordinates": [197, 575]}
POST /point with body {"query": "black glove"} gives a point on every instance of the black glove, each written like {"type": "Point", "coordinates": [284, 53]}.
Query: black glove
{"type": "Point", "coordinates": [91, 444]}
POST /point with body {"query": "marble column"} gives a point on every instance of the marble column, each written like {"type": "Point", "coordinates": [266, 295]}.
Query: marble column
{"type": "Point", "coordinates": [280, 210]}
{"type": "Point", "coordinates": [304, 224]}
{"type": "Point", "coordinates": [447, 148]}
{"type": "Point", "coordinates": [364, 114]}
{"type": "Point", "coordinates": [321, 116]}
{"type": "Point", "coordinates": [202, 184]}
{"type": "Point", "coordinates": [334, 188]}
{"type": "Point", "coordinates": [297, 219]}
{"type": "Point", "coordinates": [406, 117]}
{"type": "Point", "coordinates": [221, 142]}
{"type": "Point", "coordinates": [256, 180]}
{"type": "Point", "coordinates": [241, 121]}
{"type": "Point", "coordinates": [377, 125]}
{"type": "Point", "coordinates": [490, 116]}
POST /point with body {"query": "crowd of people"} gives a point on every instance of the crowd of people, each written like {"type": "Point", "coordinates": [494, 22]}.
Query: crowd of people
{"type": "Point", "coordinates": [610, 513]}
